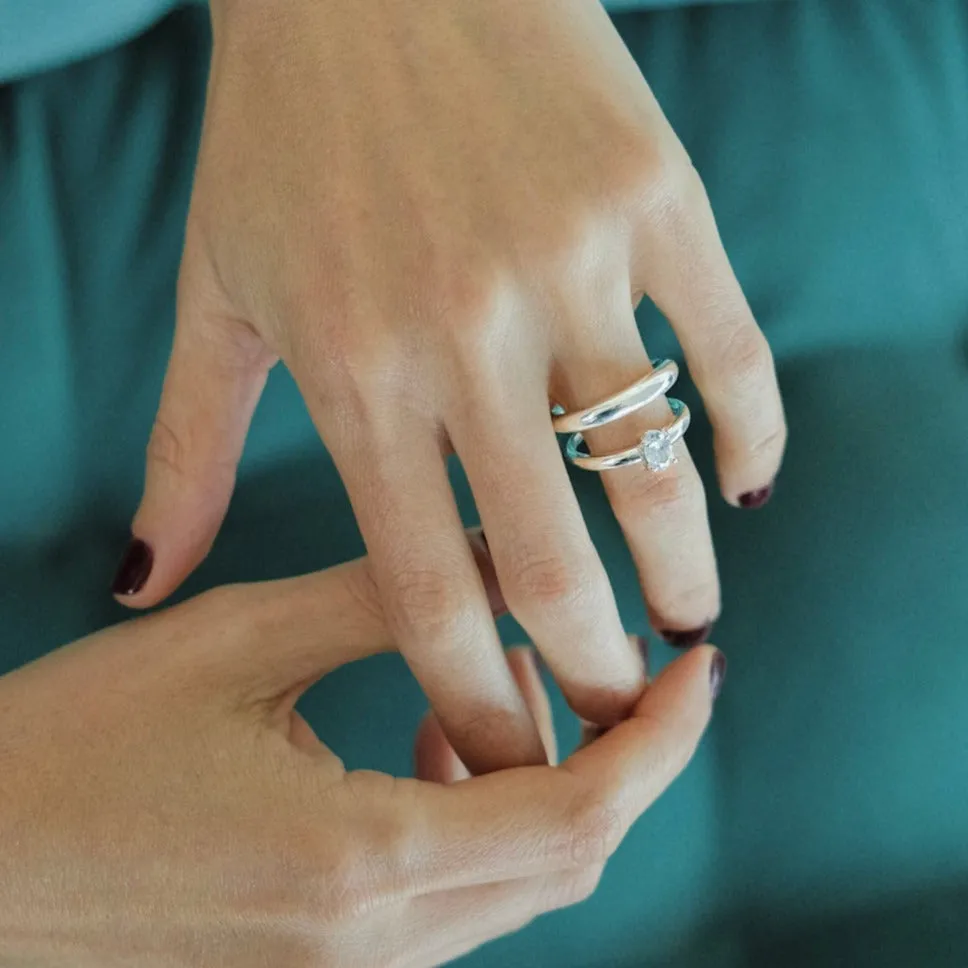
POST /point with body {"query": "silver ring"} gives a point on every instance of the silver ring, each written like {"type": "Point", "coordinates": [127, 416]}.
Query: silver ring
{"type": "Point", "coordinates": [640, 394]}
{"type": "Point", "coordinates": [654, 449]}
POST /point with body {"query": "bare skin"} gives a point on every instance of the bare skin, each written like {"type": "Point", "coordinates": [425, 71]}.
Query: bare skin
{"type": "Point", "coordinates": [439, 216]}
{"type": "Point", "coordinates": [163, 805]}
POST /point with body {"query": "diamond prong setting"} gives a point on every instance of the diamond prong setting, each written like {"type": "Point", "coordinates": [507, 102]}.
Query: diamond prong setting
{"type": "Point", "coordinates": [656, 451]}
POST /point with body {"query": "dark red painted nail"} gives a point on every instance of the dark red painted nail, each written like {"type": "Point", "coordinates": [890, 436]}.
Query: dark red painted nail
{"type": "Point", "coordinates": [717, 674]}
{"type": "Point", "coordinates": [134, 569]}
{"type": "Point", "coordinates": [643, 643]}
{"type": "Point", "coordinates": [756, 499]}
{"type": "Point", "coordinates": [482, 557]}
{"type": "Point", "coordinates": [686, 639]}
{"type": "Point", "coordinates": [590, 732]}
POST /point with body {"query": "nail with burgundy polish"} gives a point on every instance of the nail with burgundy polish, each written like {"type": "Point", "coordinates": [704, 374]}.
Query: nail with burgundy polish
{"type": "Point", "coordinates": [717, 674]}
{"type": "Point", "coordinates": [134, 569]}
{"type": "Point", "coordinates": [482, 557]}
{"type": "Point", "coordinates": [643, 643]}
{"type": "Point", "coordinates": [687, 638]}
{"type": "Point", "coordinates": [752, 500]}
{"type": "Point", "coordinates": [590, 732]}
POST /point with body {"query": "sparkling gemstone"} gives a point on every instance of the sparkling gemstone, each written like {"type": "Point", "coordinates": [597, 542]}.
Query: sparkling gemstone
{"type": "Point", "coordinates": [656, 450]}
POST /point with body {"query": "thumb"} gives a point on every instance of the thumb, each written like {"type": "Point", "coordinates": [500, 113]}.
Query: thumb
{"type": "Point", "coordinates": [635, 761]}
{"type": "Point", "coordinates": [216, 374]}
{"type": "Point", "coordinates": [537, 820]}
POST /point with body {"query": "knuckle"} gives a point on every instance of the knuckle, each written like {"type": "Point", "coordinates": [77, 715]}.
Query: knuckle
{"type": "Point", "coordinates": [358, 379]}
{"type": "Point", "coordinates": [176, 451]}
{"type": "Point", "coordinates": [466, 295]}
{"type": "Point", "coordinates": [383, 870]}
{"type": "Point", "coordinates": [745, 357]}
{"type": "Point", "coordinates": [580, 886]}
{"type": "Point", "coordinates": [639, 163]}
{"type": "Point", "coordinates": [544, 579]}
{"type": "Point", "coordinates": [658, 495]}
{"type": "Point", "coordinates": [455, 290]}
{"type": "Point", "coordinates": [674, 190]}
{"type": "Point", "coordinates": [773, 444]}
{"type": "Point", "coordinates": [165, 446]}
{"type": "Point", "coordinates": [596, 828]}
{"type": "Point", "coordinates": [224, 620]}
{"type": "Point", "coordinates": [431, 602]}
{"type": "Point", "coordinates": [554, 581]}
{"type": "Point", "coordinates": [332, 884]}
{"type": "Point", "coordinates": [525, 914]}
{"type": "Point", "coordinates": [336, 892]}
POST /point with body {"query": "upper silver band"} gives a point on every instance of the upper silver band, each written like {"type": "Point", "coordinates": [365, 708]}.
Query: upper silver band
{"type": "Point", "coordinates": [654, 449]}
{"type": "Point", "coordinates": [640, 394]}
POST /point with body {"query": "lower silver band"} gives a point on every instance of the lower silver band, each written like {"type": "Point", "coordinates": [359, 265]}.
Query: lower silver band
{"type": "Point", "coordinates": [655, 449]}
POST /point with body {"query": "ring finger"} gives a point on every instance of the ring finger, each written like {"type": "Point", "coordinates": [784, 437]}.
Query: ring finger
{"type": "Point", "coordinates": [662, 513]}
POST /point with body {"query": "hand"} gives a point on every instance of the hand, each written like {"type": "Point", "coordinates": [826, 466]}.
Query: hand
{"type": "Point", "coordinates": [439, 216]}
{"type": "Point", "coordinates": [163, 803]}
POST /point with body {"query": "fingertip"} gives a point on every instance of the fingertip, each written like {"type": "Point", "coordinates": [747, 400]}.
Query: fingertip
{"type": "Point", "coordinates": [151, 568]}
{"type": "Point", "coordinates": [636, 760]}
{"type": "Point", "coordinates": [688, 679]}
{"type": "Point", "coordinates": [717, 674]}
{"type": "Point", "coordinates": [523, 662]}
{"type": "Point", "coordinates": [133, 571]}
{"type": "Point", "coordinates": [641, 644]}
{"type": "Point", "coordinates": [434, 758]}
{"type": "Point", "coordinates": [687, 638]}
{"type": "Point", "coordinates": [753, 500]}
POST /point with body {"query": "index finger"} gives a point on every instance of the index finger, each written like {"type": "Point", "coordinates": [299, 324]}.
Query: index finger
{"type": "Point", "coordinates": [537, 820]}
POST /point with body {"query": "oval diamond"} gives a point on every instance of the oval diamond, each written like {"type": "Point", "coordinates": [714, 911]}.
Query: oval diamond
{"type": "Point", "coordinates": [656, 450]}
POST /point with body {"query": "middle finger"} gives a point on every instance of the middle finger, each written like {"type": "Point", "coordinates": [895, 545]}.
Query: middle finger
{"type": "Point", "coordinates": [549, 571]}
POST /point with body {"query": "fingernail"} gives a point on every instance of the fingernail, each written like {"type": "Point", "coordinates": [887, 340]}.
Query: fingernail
{"type": "Point", "coordinates": [591, 732]}
{"type": "Point", "coordinates": [482, 556]}
{"type": "Point", "coordinates": [688, 638]}
{"type": "Point", "coordinates": [643, 644]}
{"type": "Point", "coordinates": [717, 674]}
{"type": "Point", "coordinates": [134, 569]}
{"type": "Point", "coordinates": [756, 499]}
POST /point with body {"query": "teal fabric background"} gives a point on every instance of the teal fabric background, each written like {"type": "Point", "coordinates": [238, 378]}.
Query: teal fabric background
{"type": "Point", "coordinates": [823, 821]}
{"type": "Point", "coordinates": [40, 34]}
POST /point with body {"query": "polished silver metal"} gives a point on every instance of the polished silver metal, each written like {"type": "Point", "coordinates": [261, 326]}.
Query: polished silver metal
{"type": "Point", "coordinates": [654, 449]}
{"type": "Point", "coordinates": [640, 394]}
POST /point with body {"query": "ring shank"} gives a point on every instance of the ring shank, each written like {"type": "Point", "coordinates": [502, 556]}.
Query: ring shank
{"type": "Point", "coordinates": [575, 452]}
{"type": "Point", "coordinates": [640, 394]}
